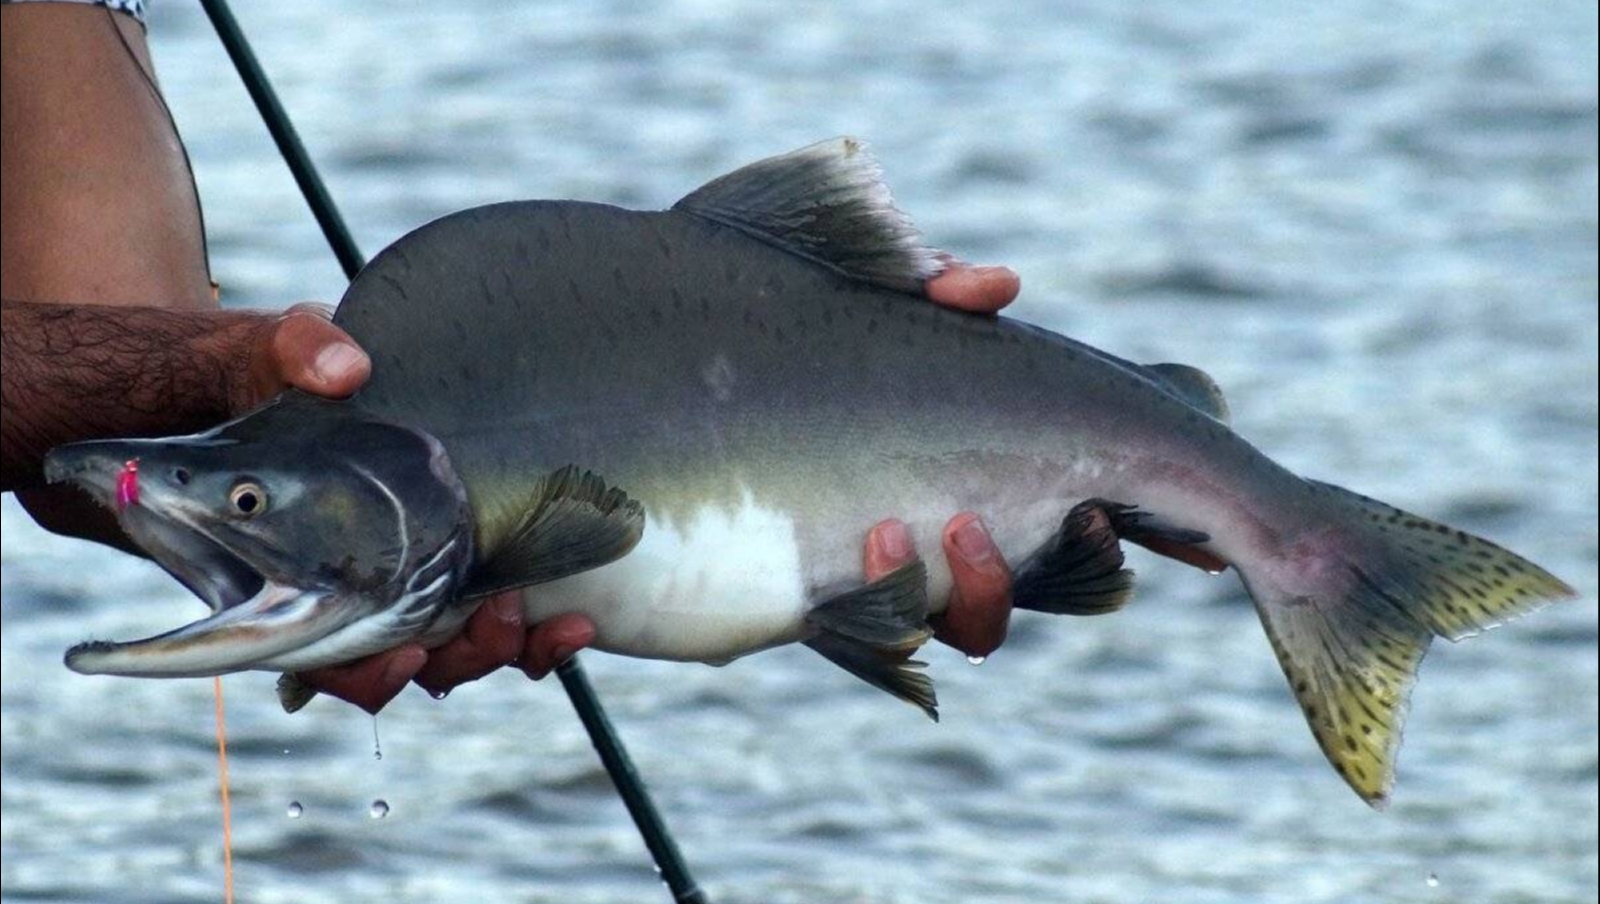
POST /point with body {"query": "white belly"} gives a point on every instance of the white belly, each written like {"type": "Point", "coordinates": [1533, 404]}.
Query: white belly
{"type": "Point", "coordinates": [711, 586]}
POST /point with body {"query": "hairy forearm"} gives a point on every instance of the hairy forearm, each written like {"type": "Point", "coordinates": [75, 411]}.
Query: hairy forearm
{"type": "Point", "coordinates": [73, 372]}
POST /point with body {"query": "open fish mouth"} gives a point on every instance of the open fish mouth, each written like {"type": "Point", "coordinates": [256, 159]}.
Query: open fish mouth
{"type": "Point", "coordinates": [254, 617]}
{"type": "Point", "coordinates": [216, 574]}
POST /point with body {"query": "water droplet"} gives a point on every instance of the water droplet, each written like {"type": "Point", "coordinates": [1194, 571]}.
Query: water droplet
{"type": "Point", "coordinates": [976, 660]}
{"type": "Point", "coordinates": [439, 695]}
{"type": "Point", "coordinates": [296, 810]}
{"type": "Point", "coordinates": [379, 809]}
{"type": "Point", "coordinates": [377, 746]}
{"type": "Point", "coordinates": [1433, 880]}
{"type": "Point", "coordinates": [285, 751]}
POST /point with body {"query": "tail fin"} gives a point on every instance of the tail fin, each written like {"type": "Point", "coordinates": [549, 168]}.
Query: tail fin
{"type": "Point", "coordinates": [1351, 618]}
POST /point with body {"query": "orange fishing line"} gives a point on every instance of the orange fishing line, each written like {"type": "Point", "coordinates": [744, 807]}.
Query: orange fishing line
{"type": "Point", "coordinates": [227, 807]}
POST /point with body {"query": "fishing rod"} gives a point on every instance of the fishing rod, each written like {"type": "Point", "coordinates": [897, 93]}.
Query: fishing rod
{"type": "Point", "coordinates": [618, 764]}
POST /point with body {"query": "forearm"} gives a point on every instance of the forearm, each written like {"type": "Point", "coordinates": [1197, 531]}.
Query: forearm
{"type": "Point", "coordinates": [73, 372]}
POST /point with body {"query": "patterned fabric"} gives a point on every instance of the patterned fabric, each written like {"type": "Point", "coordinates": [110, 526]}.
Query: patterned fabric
{"type": "Point", "coordinates": [134, 8]}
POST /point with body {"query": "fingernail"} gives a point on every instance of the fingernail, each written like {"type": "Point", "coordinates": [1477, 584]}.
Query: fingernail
{"type": "Point", "coordinates": [404, 665]}
{"type": "Point", "coordinates": [894, 540]}
{"type": "Point", "coordinates": [974, 543]}
{"type": "Point", "coordinates": [508, 609]}
{"type": "Point", "coordinates": [339, 361]}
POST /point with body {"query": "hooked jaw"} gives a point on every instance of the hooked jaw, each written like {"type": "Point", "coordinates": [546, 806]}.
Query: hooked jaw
{"type": "Point", "coordinates": [255, 619]}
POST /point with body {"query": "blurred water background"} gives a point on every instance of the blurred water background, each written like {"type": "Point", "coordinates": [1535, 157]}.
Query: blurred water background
{"type": "Point", "coordinates": [1374, 223]}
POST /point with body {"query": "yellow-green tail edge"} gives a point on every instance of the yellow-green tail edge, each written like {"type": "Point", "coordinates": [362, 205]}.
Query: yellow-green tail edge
{"type": "Point", "coordinates": [1351, 628]}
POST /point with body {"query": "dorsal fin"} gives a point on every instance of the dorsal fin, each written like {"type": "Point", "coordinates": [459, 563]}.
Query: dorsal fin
{"type": "Point", "coordinates": [826, 202]}
{"type": "Point", "coordinates": [1194, 386]}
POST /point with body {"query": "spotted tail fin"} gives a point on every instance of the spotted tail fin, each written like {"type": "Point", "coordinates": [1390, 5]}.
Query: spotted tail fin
{"type": "Point", "coordinates": [1351, 611]}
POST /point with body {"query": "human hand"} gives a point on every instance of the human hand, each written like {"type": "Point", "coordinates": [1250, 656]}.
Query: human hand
{"type": "Point", "coordinates": [300, 348]}
{"type": "Point", "coordinates": [979, 609]}
{"type": "Point", "coordinates": [95, 371]}
{"type": "Point", "coordinates": [494, 636]}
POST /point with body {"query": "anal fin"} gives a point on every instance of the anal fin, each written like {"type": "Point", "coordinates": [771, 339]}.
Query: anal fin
{"type": "Point", "coordinates": [872, 630]}
{"type": "Point", "coordinates": [1177, 543]}
{"type": "Point", "coordinates": [1079, 570]}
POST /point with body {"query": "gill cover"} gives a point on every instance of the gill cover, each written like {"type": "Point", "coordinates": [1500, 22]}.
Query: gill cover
{"type": "Point", "coordinates": [315, 533]}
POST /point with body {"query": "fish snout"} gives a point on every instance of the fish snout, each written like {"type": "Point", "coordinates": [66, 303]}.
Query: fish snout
{"type": "Point", "coordinates": [99, 466]}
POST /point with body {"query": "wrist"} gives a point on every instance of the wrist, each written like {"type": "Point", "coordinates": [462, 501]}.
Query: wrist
{"type": "Point", "coordinates": [75, 372]}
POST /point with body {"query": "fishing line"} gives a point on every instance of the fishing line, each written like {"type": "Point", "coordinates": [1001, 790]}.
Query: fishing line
{"type": "Point", "coordinates": [630, 787]}
{"type": "Point", "coordinates": [227, 805]}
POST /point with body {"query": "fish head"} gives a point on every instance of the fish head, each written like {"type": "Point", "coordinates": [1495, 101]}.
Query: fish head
{"type": "Point", "coordinates": [314, 533]}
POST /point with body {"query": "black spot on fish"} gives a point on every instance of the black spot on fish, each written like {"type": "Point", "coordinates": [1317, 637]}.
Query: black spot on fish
{"type": "Point", "coordinates": [872, 325]}
{"type": "Point", "coordinates": [1351, 744]}
{"type": "Point", "coordinates": [618, 278]}
{"type": "Point", "coordinates": [656, 317]}
{"type": "Point", "coordinates": [677, 299]}
{"type": "Point", "coordinates": [543, 238]}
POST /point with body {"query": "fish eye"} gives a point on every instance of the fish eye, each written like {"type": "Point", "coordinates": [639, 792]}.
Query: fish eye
{"type": "Point", "coordinates": [181, 476]}
{"type": "Point", "coordinates": [248, 499]}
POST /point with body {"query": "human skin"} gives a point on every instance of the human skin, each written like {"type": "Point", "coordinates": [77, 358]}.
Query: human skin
{"type": "Point", "coordinates": [112, 328]}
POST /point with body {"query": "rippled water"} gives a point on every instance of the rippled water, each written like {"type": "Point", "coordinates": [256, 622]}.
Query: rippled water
{"type": "Point", "coordinates": [1374, 223]}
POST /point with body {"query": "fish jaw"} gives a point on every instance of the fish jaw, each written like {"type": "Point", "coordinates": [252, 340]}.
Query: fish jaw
{"type": "Point", "coordinates": [276, 620]}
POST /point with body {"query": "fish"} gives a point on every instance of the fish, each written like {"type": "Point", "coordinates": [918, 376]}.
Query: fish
{"type": "Point", "coordinates": [682, 423]}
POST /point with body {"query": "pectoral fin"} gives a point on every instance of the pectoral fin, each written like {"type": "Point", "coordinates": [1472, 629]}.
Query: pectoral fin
{"type": "Point", "coordinates": [294, 693]}
{"type": "Point", "coordinates": [572, 522]}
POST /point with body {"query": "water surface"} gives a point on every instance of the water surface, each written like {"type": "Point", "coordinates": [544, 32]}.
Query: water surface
{"type": "Point", "coordinates": [1375, 224]}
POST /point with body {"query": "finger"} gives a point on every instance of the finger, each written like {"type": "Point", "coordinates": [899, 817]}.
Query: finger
{"type": "Point", "coordinates": [889, 548]}
{"type": "Point", "coordinates": [372, 682]}
{"type": "Point", "coordinates": [984, 290]}
{"type": "Point", "coordinates": [980, 605]}
{"type": "Point", "coordinates": [492, 639]}
{"type": "Point", "coordinates": [305, 350]}
{"type": "Point", "coordinates": [554, 641]}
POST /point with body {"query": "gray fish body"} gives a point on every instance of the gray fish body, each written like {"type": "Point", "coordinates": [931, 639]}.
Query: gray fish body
{"type": "Point", "coordinates": [684, 423]}
{"type": "Point", "coordinates": [765, 410]}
